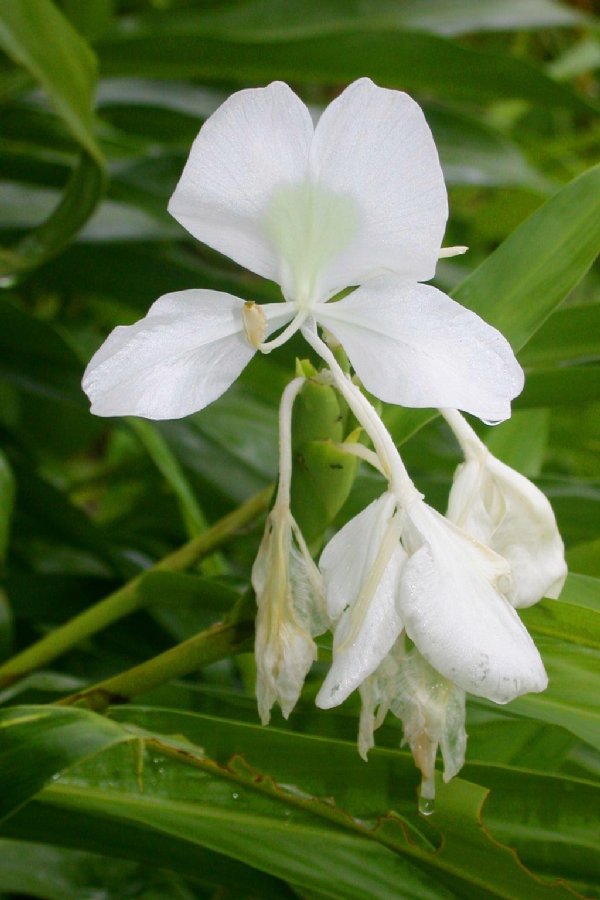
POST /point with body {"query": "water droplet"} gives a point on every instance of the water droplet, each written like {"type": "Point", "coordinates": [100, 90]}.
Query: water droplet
{"type": "Point", "coordinates": [492, 421]}
{"type": "Point", "coordinates": [426, 806]}
{"type": "Point", "coordinates": [235, 796]}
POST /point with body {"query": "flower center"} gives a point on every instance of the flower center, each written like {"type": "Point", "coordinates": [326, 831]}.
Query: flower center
{"type": "Point", "coordinates": [309, 226]}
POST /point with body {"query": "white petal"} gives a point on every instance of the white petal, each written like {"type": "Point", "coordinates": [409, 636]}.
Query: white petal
{"type": "Point", "coordinates": [364, 637]}
{"type": "Point", "coordinates": [527, 537]}
{"type": "Point", "coordinates": [411, 344]}
{"type": "Point", "coordinates": [374, 146]}
{"type": "Point", "coordinates": [184, 354]}
{"type": "Point", "coordinates": [361, 587]}
{"type": "Point", "coordinates": [347, 558]}
{"type": "Point", "coordinates": [256, 141]}
{"type": "Point", "coordinates": [454, 610]}
{"type": "Point", "coordinates": [501, 508]}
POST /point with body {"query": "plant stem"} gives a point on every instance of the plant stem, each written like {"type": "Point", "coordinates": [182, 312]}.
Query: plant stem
{"type": "Point", "coordinates": [218, 641]}
{"type": "Point", "coordinates": [127, 599]}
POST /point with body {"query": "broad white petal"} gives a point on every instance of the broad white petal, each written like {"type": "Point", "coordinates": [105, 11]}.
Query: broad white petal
{"type": "Point", "coordinates": [452, 602]}
{"type": "Point", "coordinates": [347, 558]}
{"type": "Point", "coordinates": [411, 344]}
{"type": "Point", "coordinates": [258, 140]}
{"type": "Point", "coordinates": [373, 146]}
{"type": "Point", "coordinates": [184, 354]}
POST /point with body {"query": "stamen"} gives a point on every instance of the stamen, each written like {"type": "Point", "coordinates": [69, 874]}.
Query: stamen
{"type": "Point", "coordinates": [294, 326]}
{"type": "Point", "coordinates": [365, 454]}
{"type": "Point", "coordinates": [446, 252]}
{"type": "Point", "coordinates": [255, 323]}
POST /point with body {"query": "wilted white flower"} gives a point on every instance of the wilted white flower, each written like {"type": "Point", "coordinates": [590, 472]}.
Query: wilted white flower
{"type": "Point", "coordinates": [503, 509]}
{"type": "Point", "coordinates": [288, 587]}
{"type": "Point", "coordinates": [357, 200]}
{"type": "Point", "coordinates": [289, 595]}
{"type": "Point", "coordinates": [431, 708]}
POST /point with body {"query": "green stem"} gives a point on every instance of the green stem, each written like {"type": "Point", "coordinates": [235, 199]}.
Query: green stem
{"type": "Point", "coordinates": [216, 642]}
{"type": "Point", "coordinates": [127, 599]}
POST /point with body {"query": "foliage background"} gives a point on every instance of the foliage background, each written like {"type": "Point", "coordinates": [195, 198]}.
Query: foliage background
{"type": "Point", "coordinates": [186, 796]}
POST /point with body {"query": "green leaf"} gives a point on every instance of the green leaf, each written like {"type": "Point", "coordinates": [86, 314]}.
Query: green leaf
{"type": "Point", "coordinates": [473, 153]}
{"type": "Point", "coordinates": [167, 464]}
{"type": "Point", "coordinates": [65, 67]}
{"type": "Point", "coordinates": [567, 621]}
{"type": "Point", "coordinates": [326, 821]}
{"type": "Point", "coordinates": [272, 19]}
{"type": "Point", "coordinates": [572, 698]}
{"type": "Point", "coordinates": [569, 386]}
{"type": "Point", "coordinates": [7, 499]}
{"type": "Point", "coordinates": [53, 873]}
{"type": "Point", "coordinates": [521, 441]}
{"type": "Point", "coordinates": [536, 267]}
{"type": "Point", "coordinates": [34, 357]}
{"type": "Point", "coordinates": [569, 334]}
{"type": "Point", "coordinates": [53, 739]}
{"type": "Point", "coordinates": [179, 46]}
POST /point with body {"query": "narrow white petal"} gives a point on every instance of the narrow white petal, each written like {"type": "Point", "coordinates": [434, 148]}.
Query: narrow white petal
{"type": "Point", "coordinates": [373, 146]}
{"type": "Point", "coordinates": [361, 567]}
{"type": "Point", "coordinates": [363, 637]}
{"type": "Point", "coordinates": [184, 354]}
{"type": "Point", "coordinates": [452, 602]}
{"type": "Point", "coordinates": [347, 558]}
{"type": "Point", "coordinates": [411, 344]}
{"type": "Point", "coordinates": [258, 140]}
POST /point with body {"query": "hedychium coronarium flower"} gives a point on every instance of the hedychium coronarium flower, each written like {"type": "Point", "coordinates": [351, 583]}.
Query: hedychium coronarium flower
{"type": "Point", "coordinates": [503, 509]}
{"type": "Point", "coordinates": [447, 590]}
{"type": "Point", "coordinates": [357, 200]}
{"type": "Point", "coordinates": [400, 570]}
{"type": "Point", "coordinates": [431, 708]}
{"type": "Point", "coordinates": [289, 590]}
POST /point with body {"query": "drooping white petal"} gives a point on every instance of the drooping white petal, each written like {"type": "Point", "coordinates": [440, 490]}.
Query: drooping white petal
{"type": "Point", "coordinates": [411, 344]}
{"type": "Point", "coordinates": [452, 601]}
{"type": "Point", "coordinates": [257, 141]}
{"type": "Point", "coordinates": [361, 572]}
{"type": "Point", "coordinates": [506, 511]}
{"type": "Point", "coordinates": [374, 146]}
{"type": "Point", "coordinates": [180, 357]}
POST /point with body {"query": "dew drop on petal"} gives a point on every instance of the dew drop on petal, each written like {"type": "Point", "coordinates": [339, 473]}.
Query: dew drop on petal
{"type": "Point", "coordinates": [426, 805]}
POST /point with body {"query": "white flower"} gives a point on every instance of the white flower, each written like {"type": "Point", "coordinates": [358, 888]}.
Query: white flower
{"type": "Point", "coordinates": [503, 509]}
{"type": "Point", "coordinates": [431, 708]}
{"type": "Point", "coordinates": [446, 589]}
{"type": "Point", "coordinates": [290, 600]}
{"type": "Point", "coordinates": [357, 200]}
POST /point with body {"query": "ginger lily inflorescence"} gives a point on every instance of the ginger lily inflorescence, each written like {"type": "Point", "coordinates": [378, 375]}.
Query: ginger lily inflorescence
{"type": "Point", "coordinates": [347, 216]}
